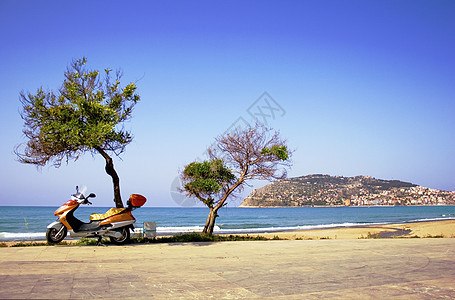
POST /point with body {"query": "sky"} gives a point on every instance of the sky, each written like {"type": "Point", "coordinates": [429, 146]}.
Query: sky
{"type": "Point", "coordinates": [355, 87]}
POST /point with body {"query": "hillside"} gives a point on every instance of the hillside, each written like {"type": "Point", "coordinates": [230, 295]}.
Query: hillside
{"type": "Point", "coordinates": [326, 190]}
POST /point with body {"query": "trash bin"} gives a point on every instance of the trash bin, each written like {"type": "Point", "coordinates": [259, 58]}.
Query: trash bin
{"type": "Point", "coordinates": [149, 229]}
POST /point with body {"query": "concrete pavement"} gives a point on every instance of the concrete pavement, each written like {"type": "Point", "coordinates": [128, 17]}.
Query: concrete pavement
{"type": "Point", "coordinates": [339, 269]}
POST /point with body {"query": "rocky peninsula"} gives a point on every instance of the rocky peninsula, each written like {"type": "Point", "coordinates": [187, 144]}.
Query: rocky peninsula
{"type": "Point", "coordinates": [326, 190]}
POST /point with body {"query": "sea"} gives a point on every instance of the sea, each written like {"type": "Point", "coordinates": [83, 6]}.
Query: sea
{"type": "Point", "coordinates": [22, 223]}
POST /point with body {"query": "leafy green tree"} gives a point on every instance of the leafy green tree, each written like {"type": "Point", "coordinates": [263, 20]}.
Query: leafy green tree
{"type": "Point", "coordinates": [237, 157]}
{"type": "Point", "coordinates": [84, 115]}
{"type": "Point", "coordinates": [206, 179]}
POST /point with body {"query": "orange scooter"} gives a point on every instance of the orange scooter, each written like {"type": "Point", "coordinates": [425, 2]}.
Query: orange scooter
{"type": "Point", "coordinates": [115, 223]}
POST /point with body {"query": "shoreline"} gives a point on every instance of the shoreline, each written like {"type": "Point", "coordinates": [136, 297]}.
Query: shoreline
{"type": "Point", "coordinates": [418, 229]}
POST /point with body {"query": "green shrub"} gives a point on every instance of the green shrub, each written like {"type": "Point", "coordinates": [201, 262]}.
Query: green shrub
{"type": "Point", "coordinates": [90, 241]}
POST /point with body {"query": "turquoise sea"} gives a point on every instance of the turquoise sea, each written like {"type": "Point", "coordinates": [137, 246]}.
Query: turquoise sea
{"type": "Point", "coordinates": [29, 222]}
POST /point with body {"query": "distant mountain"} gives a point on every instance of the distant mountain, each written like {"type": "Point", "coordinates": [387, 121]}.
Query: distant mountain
{"type": "Point", "coordinates": [326, 190]}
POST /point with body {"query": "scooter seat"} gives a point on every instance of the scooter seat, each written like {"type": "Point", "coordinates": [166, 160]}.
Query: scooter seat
{"type": "Point", "coordinates": [111, 212]}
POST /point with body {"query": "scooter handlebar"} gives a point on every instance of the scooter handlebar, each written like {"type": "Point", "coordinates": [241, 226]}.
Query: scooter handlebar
{"type": "Point", "coordinates": [82, 199]}
{"type": "Point", "coordinates": [89, 196]}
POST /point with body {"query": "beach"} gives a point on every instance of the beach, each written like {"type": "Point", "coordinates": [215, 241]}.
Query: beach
{"type": "Point", "coordinates": [429, 229]}
{"type": "Point", "coordinates": [314, 264]}
{"type": "Point", "coordinates": [438, 229]}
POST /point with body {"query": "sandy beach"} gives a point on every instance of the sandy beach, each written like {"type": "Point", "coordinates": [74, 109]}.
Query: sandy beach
{"type": "Point", "coordinates": [434, 229]}
{"type": "Point", "coordinates": [440, 229]}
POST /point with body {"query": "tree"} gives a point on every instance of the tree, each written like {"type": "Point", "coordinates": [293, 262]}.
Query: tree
{"type": "Point", "coordinates": [239, 156]}
{"type": "Point", "coordinates": [84, 115]}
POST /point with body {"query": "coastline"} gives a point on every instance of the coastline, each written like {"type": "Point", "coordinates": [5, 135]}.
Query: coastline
{"type": "Point", "coordinates": [420, 229]}
{"type": "Point", "coordinates": [29, 223]}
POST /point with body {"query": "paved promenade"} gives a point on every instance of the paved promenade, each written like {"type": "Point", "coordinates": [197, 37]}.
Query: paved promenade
{"type": "Point", "coordinates": [339, 269]}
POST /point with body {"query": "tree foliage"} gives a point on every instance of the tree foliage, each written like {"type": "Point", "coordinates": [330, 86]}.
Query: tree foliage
{"type": "Point", "coordinates": [205, 179]}
{"type": "Point", "coordinates": [84, 115]}
{"type": "Point", "coordinates": [279, 151]}
{"type": "Point", "coordinates": [239, 156]}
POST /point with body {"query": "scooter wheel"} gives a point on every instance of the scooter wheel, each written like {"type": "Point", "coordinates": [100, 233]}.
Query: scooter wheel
{"type": "Point", "coordinates": [53, 237]}
{"type": "Point", "coordinates": [124, 238]}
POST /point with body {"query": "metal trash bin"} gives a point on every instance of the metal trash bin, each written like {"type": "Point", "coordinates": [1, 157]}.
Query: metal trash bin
{"type": "Point", "coordinates": [149, 230]}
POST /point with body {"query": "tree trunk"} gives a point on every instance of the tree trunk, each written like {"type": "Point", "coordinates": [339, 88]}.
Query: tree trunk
{"type": "Point", "coordinates": [210, 223]}
{"type": "Point", "coordinates": [115, 179]}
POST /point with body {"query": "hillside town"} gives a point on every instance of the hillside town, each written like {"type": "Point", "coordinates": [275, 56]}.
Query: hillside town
{"type": "Point", "coordinates": [418, 195]}
{"type": "Point", "coordinates": [325, 190]}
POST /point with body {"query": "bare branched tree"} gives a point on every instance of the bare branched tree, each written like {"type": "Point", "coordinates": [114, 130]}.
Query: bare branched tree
{"type": "Point", "coordinates": [251, 153]}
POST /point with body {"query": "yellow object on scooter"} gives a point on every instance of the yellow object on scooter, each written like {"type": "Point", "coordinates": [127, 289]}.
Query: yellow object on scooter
{"type": "Point", "coordinates": [111, 212]}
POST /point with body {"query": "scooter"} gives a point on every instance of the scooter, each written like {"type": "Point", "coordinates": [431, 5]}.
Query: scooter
{"type": "Point", "coordinates": [115, 223]}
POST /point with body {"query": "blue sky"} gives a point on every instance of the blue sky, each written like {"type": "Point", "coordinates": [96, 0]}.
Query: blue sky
{"type": "Point", "coordinates": [365, 87]}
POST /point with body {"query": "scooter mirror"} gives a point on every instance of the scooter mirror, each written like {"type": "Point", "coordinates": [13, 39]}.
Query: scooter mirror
{"type": "Point", "coordinates": [91, 195]}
